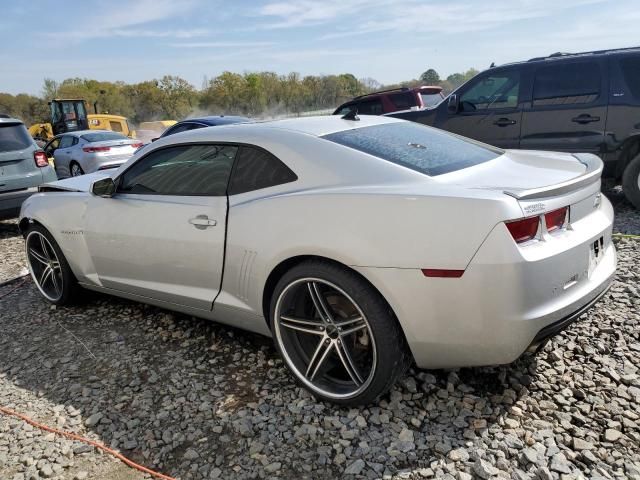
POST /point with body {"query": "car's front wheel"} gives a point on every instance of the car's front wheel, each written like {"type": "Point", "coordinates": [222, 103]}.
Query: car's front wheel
{"type": "Point", "coordinates": [631, 182]}
{"type": "Point", "coordinates": [76, 169]}
{"type": "Point", "coordinates": [48, 267]}
{"type": "Point", "coordinates": [336, 333]}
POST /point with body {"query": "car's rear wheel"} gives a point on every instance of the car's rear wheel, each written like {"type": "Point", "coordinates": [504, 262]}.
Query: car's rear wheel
{"type": "Point", "coordinates": [336, 333]}
{"type": "Point", "coordinates": [631, 182]}
{"type": "Point", "coordinates": [76, 169]}
{"type": "Point", "coordinates": [48, 267]}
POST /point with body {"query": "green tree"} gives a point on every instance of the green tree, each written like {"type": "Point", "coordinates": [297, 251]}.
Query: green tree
{"type": "Point", "coordinates": [430, 77]}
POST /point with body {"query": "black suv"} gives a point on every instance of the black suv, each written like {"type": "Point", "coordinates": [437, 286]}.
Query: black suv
{"type": "Point", "coordinates": [583, 102]}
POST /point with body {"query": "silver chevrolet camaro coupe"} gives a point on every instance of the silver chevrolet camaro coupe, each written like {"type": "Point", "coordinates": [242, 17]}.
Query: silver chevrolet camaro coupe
{"type": "Point", "coordinates": [359, 245]}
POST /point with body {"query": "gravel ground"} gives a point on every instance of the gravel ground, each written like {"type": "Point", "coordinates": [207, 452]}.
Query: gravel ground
{"type": "Point", "coordinates": [627, 218]}
{"type": "Point", "coordinates": [194, 399]}
{"type": "Point", "coordinates": [12, 261]}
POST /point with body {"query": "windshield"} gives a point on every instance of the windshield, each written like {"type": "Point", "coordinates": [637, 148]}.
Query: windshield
{"type": "Point", "coordinates": [103, 136]}
{"type": "Point", "coordinates": [14, 137]}
{"type": "Point", "coordinates": [424, 149]}
{"type": "Point", "coordinates": [431, 99]}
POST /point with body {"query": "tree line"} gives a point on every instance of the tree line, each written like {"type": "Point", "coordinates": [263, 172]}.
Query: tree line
{"type": "Point", "coordinates": [255, 94]}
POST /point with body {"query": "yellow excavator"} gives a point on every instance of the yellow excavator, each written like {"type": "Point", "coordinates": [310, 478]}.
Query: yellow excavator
{"type": "Point", "coordinates": [70, 115]}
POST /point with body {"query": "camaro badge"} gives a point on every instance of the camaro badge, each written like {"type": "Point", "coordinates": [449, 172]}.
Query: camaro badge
{"type": "Point", "coordinates": [536, 207]}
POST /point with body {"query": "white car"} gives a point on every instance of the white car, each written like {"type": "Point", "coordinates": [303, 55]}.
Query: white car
{"type": "Point", "coordinates": [360, 245]}
{"type": "Point", "coordinates": [87, 151]}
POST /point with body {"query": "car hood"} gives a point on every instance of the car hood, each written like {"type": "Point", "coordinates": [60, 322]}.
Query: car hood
{"type": "Point", "coordinates": [530, 174]}
{"type": "Point", "coordinates": [74, 184]}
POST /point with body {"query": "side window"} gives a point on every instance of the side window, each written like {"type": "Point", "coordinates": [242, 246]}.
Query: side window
{"type": "Point", "coordinates": [181, 170]}
{"type": "Point", "coordinates": [403, 101]}
{"type": "Point", "coordinates": [566, 83]}
{"type": "Point", "coordinates": [630, 67]}
{"type": "Point", "coordinates": [256, 169]}
{"type": "Point", "coordinates": [75, 141]}
{"type": "Point", "coordinates": [115, 126]}
{"type": "Point", "coordinates": [493, 91]}
{"type": "Point", "coordinates": [370, 107]}
{"type": "Point", "coordinates": [66, 141]}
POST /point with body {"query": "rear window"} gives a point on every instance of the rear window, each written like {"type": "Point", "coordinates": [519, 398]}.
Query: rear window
{"type": "Point", "coordinates": [426, 150]}
{"type": "Point", "coordinates": [14, 137]}
{"type": "Point", "coordinates": [103, 136]}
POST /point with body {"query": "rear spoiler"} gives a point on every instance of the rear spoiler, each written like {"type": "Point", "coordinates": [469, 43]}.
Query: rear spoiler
{"type": "Point", "coordinates": [591, 175]}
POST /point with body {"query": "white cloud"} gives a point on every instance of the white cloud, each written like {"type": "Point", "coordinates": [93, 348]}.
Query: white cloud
{"type": "Point", "coordinates": [122, 19]}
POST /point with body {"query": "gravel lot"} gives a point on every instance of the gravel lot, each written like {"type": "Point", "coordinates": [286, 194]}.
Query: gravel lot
{"type": "Point", "coordinates": [194, 399]}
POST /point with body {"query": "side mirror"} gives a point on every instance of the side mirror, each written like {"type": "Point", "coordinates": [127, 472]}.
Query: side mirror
{"type": "Point", "coordinates": [453, 105]}
{"type": "Point", "coordinates": [105, 187]}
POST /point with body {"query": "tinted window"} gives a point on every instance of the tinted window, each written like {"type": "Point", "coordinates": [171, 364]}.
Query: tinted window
{"type": "Point", "coordinates": [631, 73]}
{"type": "Point", "coordinates": [103, 136]}
{"type": "Point", "coordinates": [403, 101]}
{"type": "Point", "coordinates": [181, 170]}
{"type": "Point", "coordinates": [370, 107]}
{"type": "Point", "coordinates": [493, 91]}
{"type": "Point", "coordinates": [66, 141]}
{"type": "Point", "coordinates": [426, 150]}
{"type": "Point", "coordinates": [14, 137]}
{"type": "Point", "coordinates": [566, 83]}
{"type": "Point", "coordinates": [256, 169]}
{"type": "Point", "coordinates": [181, 127]}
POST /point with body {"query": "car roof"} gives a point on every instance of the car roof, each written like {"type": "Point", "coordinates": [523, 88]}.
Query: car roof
{"type": "Point", "coordinates": [79, 133]}
{"type": "Point", "coordinates": [10, 120]}
{"type": "Point", "coordinates": [316, 126]}
{"type": "Point", "coordinates": [558, 56]}
{"type": "Point", "coordinates": [213, 120]}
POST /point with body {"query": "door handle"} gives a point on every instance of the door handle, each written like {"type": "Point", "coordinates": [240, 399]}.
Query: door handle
{"type": "Point", "coordinates": [585, 118]}
{"type": "Point", "coordinates": [202, 221]}
{"type": "Point", "coordinates": [503, 122]}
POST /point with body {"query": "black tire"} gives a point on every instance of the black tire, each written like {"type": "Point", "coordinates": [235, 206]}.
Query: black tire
{"type": "Point", "coordinates": [71, 165]}
{"type": "Point", "coordinates": [631, 180]}
{"type": "Point", "coordinates": [69, 290]}
{"type": "Point", "coordinates": [390, 356]}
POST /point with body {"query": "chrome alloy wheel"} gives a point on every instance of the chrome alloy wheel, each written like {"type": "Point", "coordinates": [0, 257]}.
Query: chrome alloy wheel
{"type": "Point", "coordinates": [44, 266]}
{"type": "Point", "coordinates": [325, 338]}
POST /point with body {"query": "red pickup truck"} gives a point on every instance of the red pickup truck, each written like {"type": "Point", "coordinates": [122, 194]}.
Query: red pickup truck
{"type": "Point", "coordinates": [387, 101]}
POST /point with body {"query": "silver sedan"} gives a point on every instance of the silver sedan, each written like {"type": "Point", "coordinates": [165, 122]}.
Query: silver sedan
{"type": "Point", "coordinates": [87, 151]}
{"type": "Point", "coordinates": [359, 244]}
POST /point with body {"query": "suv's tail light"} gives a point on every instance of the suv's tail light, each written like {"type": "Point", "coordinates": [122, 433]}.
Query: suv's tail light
{"type": "Point", "coordinates": [555, 219]}
{"type": "Point", "coordinates": [523, 230]}
{"type": "Point", "coordinates": [137, 145]}
{"type": "Point", "coordinates": [40, 158]}
{"type": "Point", "coordinates": [96, 149]}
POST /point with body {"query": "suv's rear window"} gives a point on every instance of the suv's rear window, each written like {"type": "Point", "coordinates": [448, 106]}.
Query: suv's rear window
{"type": "Point", "coordinates": [103, 136]}
{"type": "Point", "coordinates": [14, 137]}
{"type": "Point", "coordinates": [424, 149]}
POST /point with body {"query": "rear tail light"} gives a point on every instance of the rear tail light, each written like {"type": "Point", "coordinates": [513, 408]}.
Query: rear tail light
{"type": "Point", "coordinates": [137, 145]}
{"type": "Point", "coordinates": [41, 159]}
{"type": "Point", "coordinates": [524, 230]}
{"type": "Point", "coordinates": [96, 149]}
{"type": "Point", "coordinates": [555, 219]}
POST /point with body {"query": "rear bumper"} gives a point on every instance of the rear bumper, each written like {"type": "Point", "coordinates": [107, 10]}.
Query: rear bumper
{"type": "Point", "coordinates": [10, 202]}
{"type": "Point", "coordinates": [507, 297]}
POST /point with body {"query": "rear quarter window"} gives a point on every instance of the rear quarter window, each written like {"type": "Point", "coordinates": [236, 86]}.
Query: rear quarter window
{"type": "Point", "coordinates": [14, 137]}
{"type": "Point", "coordinates": [426, 150]}
{"type": "Point", "coordinates": [631, 72]}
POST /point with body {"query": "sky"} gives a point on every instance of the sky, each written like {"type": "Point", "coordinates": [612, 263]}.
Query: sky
{"type": "Point", "coordinates": [387, 40]}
